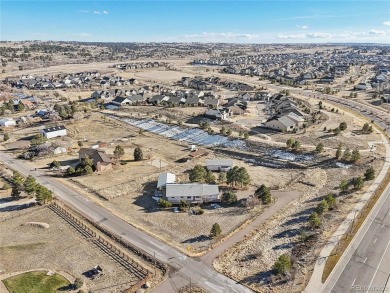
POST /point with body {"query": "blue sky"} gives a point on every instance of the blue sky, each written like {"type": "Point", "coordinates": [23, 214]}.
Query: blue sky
{"type": "Point", "coordinates": [197, 21]}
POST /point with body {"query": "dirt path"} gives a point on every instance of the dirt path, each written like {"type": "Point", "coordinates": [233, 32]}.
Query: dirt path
{"type": "Point", "coordinates": [283, 199]}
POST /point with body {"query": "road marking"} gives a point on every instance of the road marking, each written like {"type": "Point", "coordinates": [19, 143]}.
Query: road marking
{"type": "Point", "coordinates": [376, 270]}
{"type": "Point", "coordinates": [375, 240]}
{"type": "Point", "coordinates": [353, 283]}
{"type": "Point", "coordinates": [365, 260]}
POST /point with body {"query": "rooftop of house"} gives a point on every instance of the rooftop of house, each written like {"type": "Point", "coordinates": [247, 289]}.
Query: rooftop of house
{"type": "Point", "coordinates": [191, 189]}
{"type": "Point", "coordinates": [219, 162]}
{"type": "Point", "coordinates": [54, 128]}
{"type": "Point", "coordinates": [165, 178]}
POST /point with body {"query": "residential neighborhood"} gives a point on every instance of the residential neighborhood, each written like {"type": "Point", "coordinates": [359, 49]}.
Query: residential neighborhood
{"type": "Point", "coordinates": [208, 162]}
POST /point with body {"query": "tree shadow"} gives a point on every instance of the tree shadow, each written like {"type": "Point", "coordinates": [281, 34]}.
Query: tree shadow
{"type": "Point", "coordinates": [69, 287]}
{"type": "Point", "coordinates": [287, 233]}
{"type": "Point", "coordinates": [17, 207]}
{"type": "Point", "coordinates": [328, 135]}
{"type": "Point", "coordinates": [285, 245]}
{"type": "Point", "coordinates": [200, 238]}
{"type": "Point", "coordinates": [259, 278]}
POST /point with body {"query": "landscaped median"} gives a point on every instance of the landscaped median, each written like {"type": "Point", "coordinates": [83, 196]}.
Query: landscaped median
{"type": "Point", "coordinates": [36, 282]}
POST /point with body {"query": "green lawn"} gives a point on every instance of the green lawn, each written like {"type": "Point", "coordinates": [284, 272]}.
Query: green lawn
{"type": "Point", "coordinates": [35, 282]}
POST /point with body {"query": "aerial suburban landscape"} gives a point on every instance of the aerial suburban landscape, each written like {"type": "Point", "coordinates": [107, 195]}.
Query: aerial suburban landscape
{"type": "Point", "coordinates": [234, 157]}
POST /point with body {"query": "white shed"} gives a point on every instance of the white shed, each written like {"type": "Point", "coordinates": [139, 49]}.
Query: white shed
{"type": "Point", "coordinates": [55, 131]}
{"type": "Point", "coordinates": [7, 122]}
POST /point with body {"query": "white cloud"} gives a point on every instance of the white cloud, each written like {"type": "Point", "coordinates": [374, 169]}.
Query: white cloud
{"type": "Point", "coordinates": [319, 35]}
{"type": "Point", "coordinates": [377, 33]}
{"type": "Point", "coordinates": [386, 23]}
{"type": "Point", "coordinates": [94, 11]}
{"type": "Point", "coordinates": [304, 27]}
{"type": "Point", "coordinates": [346, 36]}
{"type": "Point", "coordinates": [223, 36]}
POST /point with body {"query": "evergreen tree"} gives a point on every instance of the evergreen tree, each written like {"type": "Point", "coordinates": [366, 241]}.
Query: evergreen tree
{"type": "Point", "coordinates": [222, 177]}
{"type": "Point", "coordinates": [331, 201]}
{"type": "Point", "coordinates": [138, 155]}
{"type": "Point", "coordinates": [369, 174]}
{"type": "Point", "coordinates": [314, 220]}
{"type": "Point", "coordinates": [42, 194]}
{"type": "Point", "coordinates": [119, 151]}
{"type": "Point", "coordinates": [30, 185]}
{"type": "Point", "coordinates": [343, 126]}
{"type": "Point", "coordinates": [229, 197]}
{"type": "Point", "coordinates": [347, 154]}
{"type": "Point", "coordinates": [344, 185]}
{"type": "Point", "coordinates": [282, 265]}
{"type": "Point", "coordinates": [322, 207]}
{"type": "Point", "coordinates": [290, 142]}
{"type": "Point", "coordinates": [215, 230]}
{"type": "Point", "coordinates": [320, 147]}
{"type": "Point", "coordinates": [198, 174]}
{"type": "Point", "coordinates": [355, 156]}
{"type": "Point", "coordinates": [264, 194]}
{"type": "Point", "coordinates": [38, 139]}
{"type": "Point", "coordinates": [358, 183]}
{"type": "Point", "coordinates": [339, 151]}
{"type": "Point", "coordinates": [209, 178]}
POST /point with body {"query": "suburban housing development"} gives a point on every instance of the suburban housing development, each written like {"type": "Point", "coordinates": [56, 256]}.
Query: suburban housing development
{"type": "Point", "coordinates": [209, 147]}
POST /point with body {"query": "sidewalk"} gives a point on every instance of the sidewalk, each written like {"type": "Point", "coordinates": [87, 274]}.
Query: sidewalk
{"type": "Point", "coordinates": [315, 284]}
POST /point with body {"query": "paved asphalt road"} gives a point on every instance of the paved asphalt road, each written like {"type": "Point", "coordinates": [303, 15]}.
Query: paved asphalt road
{"type": "Point", "coordinates": [368, 268]}
{"type": "Point", "coordinates": [186, 268]}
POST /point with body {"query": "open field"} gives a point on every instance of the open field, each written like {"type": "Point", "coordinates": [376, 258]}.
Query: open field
{"type": "Point", "coordinates": [58, 248]}
{"type": "Point", "coordinates": [130, 185]}
{"type": "Point", "coordinates": [282, 233]}
{"type": "Point", "coordinates": [36, 282]}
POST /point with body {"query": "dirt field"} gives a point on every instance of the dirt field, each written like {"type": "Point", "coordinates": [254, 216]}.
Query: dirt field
{"type": "Point", "coordinates": [281, 234]}
{"type": "Point", "coordinates": [58, 248]}
{"type": "Point", "coordinates": [130, 185]}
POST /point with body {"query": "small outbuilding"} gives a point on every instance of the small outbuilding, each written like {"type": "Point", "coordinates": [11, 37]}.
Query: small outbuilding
{"type": "Point", "coordinates": [219, 165]}
{"type": "Point", "coordinates": [56, 131]}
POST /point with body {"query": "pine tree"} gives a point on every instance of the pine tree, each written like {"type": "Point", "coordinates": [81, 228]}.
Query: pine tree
{"type": "Point", "coordinates": [30, 185]}
{"type": "Point", "coordinates": [209, 178]}
{"type": "Point", "coordinates": [282, 265]}
{"type": "Point", "coordinates": [322, 207]}
{"type": "Point", "coordinates": [355, 156]}
{"type": "Point", "coordinates": [320, 147]}
{"type": "Point", "coordinates": [344, 185]}
{"type": "Point", "coordinates": [329, 198]}
{"type": "Point", "coordinates": [369, 174]}
{"type": "Point", "coordinates": [347, 154]}
{"type": "Point", "coordinates": [138, 155]}
{"type": "Point", "coordinates": [290, 142]}
{"type": "Point", "coordinates": [215, 230]}
{"type": "Point", "coordinates": [264, 194]}
{"type": "Point", "coordinates": [343, 126]}
{"type": "Point", "coordinates": [198, 174]}
{"type": "Point", "coordinates": [358, 183]}
{"type": "Point", "coordinates": [119, 151]}
{"type": "Point", "coordinates": [339, 151]}
{"type": "Point", "coordinates": [222, 177]}
{"type": "Point", "coordinates": [314, 220]}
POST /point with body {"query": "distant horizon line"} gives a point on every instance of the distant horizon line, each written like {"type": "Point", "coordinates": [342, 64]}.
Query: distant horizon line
{"type": "Point", "coordinates": [225, 43]}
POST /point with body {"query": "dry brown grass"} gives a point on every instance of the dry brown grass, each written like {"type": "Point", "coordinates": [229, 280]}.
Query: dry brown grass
{"type": "Point", "coordinates": [346, 240]}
